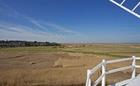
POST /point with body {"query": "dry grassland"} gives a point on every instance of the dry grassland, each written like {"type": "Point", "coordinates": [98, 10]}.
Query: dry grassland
{"type": "Point", "coordinates": [61, 66]}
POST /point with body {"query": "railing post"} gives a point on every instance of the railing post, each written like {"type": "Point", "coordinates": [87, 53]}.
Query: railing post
{"type": "Point", "coordinates": [88, 81]}
{"type": "Point", "coordinates": [103, 72]}
{"type": "Point", "coordinates": [133, 67]}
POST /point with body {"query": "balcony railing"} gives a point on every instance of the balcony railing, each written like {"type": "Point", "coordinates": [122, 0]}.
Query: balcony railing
{"type": "Point", "coordinates": [102, 65]}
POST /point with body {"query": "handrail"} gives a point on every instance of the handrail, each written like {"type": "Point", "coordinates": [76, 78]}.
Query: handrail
{"type": "Point", "coordinates": [138, 58]}
{"type": "Point", "coordinates": [96, 68]}
{"type": "Point", "coordinates": [118, 69]}
{"type": "Point", "coordinates": [118, 60]}
{"type": "Point", "coordinates": [103, 64]}
{"type": "Point", "coordinates": [137, 66]}
{"type": "Point", "coordinates": [90, 73]}
{"type": "Point", "coordinates": [99, 79]}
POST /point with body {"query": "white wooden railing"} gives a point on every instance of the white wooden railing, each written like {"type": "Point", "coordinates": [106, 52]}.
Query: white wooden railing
{"type": "Point", "coordinates": [102, 65]}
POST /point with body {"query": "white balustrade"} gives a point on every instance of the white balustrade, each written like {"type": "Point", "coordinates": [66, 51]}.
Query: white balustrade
{"type": "Point", "coordinates": [102, 65]}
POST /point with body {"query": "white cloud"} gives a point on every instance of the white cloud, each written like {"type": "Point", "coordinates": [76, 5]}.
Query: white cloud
{"type": "Point", "coordinates": [6, 10]}
{"type": "Point", "coordinates": [35, 23]}
{"type": "Point", "coordinates": [43, 26]}
{"type": "Point", "coordinates": [60, 28]}
{"type": "Point", "coordinates": [20, 31]}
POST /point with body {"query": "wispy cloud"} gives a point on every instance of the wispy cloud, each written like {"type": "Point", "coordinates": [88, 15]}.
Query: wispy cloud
{"type": "Point", "coordinates": [2, 27]}
{"type": "Point", "coordinates": [61, 28]}
{"type": "Point", "coordinates": [21, 33]}
{"type": "Point", "coordinates": [35, 23]}
{"type": "Point", "coordinates": [43, 32]}
{"type": "Point", "coordinates": [43, 25]}
{"type": "Point", "coordinates": [6, 10]}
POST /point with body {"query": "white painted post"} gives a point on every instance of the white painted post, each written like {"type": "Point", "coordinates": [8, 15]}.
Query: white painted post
{"type": "Point", "coordinates": [103, 72]}
{"type": "Point", "coordinates": [133, 67]}
{"type": "Point", "coordinates": [88, 81]}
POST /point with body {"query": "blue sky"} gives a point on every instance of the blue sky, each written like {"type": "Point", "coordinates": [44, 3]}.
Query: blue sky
{"type": "Point", "coordinates": [75, 21]}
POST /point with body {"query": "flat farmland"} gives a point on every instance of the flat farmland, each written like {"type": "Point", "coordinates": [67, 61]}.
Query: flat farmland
{"type": "Point", "coordinates": [61, 65]}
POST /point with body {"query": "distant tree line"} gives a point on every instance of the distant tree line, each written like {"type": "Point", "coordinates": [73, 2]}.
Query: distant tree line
{"type": "Point", "coordinates": [14, 43]}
